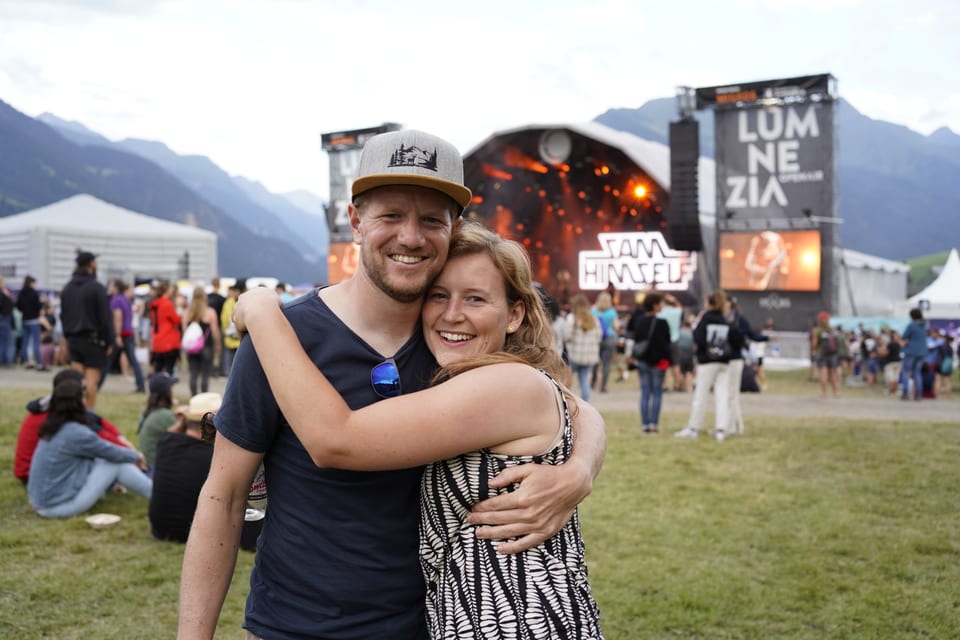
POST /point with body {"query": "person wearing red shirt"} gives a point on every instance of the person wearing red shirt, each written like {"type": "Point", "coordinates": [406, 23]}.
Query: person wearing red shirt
{"type": "Point", "coordinates": [165, 324]}
{"type": "Point", "coordinates": [29, 434]}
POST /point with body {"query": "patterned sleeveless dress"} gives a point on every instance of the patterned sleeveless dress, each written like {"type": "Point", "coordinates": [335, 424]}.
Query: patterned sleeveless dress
{"type": "Point", "coordinates": [474, 592]}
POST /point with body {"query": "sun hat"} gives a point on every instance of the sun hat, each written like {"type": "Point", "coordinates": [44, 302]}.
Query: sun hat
{"type": "Point", "coordinates": [203, 403]}
{"type": "Point", "coordinates": [412, 157]}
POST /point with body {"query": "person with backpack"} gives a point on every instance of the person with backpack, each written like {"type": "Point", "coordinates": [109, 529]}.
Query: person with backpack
{"type": "Point", "coordinates": [204, 348]}
{"type": "Point", "coordinates": [715, 341]}
{"type": "Point", "coordinates": [826, 346]}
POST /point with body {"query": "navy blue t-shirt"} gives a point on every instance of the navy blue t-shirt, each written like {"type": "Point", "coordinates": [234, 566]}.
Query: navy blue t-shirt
{"type": "Point", "coordinates": [338, 554]}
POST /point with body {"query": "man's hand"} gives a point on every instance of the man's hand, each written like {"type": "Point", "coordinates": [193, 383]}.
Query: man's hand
{"type": "Point", "coordinates": [541, 505]}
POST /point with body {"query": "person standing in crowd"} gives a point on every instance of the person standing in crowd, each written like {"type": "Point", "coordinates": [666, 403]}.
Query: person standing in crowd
{"type": "Point", "coordinates": [121, 306]}
{"type": "Point", "coordinates": [87, 323]}
{"type": "Point", "coordinates": [28, 303]}
{"type": "Point", "coordinates": [37, 410]}
{"type": "Point", "coordinates": [606, 315]}
{"type": "Point", "coordinates": [758, 350]}
{"type": "Point", "coordinates": [158, 416]}
{"type": "Point", "coordinates": [889, 352]}
{"type": "Point", "coordinates": [165, 329]}
{"type": "Point", "coordinates": [72, 468]}
{"type": "Point", "coordinates": [652, 366]}
{"type": "Point", "coordinates": [945, 365]}
{"type": "Point", "coordinates": [215, 301]}
{"type": "Point", "coordinates": [826, 346]}
{"type": "Point", "coordinates": [231, 339]}
{"type": "Point", "coordinates": [737, 363]}
{"type": "Point", "coordinates": [497, 405]}
{"type": "Point", "coordinates": [201, 363]}
{"type": "Point", "coordinates": [7, 344]}
{"type": "Point", "coordinates": [672, 311]}
{"type": "Point", "coordinates": [715, 340]}
{"type": "Point", "coordinates": [685, 352]}
{"type": "Point", "coordinates": [285, 296]}
{"type": "Point", "coordinates": [48, 335]}
{"type": "Point", "coordinates": [582, 336]}
{"type": "Point", "coordinates": [914, 351]}
{"type": "Point", "coordinates": [360, 575]}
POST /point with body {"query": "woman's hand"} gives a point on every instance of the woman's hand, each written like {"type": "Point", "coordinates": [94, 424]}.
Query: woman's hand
{"type": "Point", "coordinates": [252, 303]}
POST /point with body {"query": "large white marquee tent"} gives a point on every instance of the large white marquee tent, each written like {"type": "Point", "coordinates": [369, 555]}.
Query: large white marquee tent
{"type": "Point", "coordinates": [43, 243]}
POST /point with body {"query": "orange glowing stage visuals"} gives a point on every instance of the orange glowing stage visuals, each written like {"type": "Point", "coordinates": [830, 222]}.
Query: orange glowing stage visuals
{"type": "Point", "coordinates": [770, 261]}
{"type": "Point", "coordinates": [343, 259]}
{"type": "Point", "coordinates": [577, 206]}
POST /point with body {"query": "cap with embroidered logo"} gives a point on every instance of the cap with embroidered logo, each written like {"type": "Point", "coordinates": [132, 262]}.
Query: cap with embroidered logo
{"type": "Point", "coordinates": [412, 157]}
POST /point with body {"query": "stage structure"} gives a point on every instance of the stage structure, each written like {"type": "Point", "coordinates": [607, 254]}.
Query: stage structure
{"type": "Point", "coordinates": [343, 151]}
{"type": "Point", "coordinates": [777, 233]}
{"type": "Point", "coordinates": [588, 203]}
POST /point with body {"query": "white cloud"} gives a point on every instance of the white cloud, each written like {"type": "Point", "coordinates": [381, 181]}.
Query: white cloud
{"type": "Point", "coordinates": [252, 83]}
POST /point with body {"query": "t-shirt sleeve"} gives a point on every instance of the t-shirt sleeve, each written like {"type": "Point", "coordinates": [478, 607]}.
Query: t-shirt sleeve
{"type": "Point", "coordinates": [248, 414]}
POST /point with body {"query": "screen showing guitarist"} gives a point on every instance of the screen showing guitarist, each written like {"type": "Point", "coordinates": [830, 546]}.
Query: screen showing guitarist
{"type": "Point", "coordinates": [767, 263]}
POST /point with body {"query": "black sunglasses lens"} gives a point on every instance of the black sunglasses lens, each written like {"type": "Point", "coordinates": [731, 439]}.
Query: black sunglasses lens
{"type": "Point", "coordinates": [385, 379]}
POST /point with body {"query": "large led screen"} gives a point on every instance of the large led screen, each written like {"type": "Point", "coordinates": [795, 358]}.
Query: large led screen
{"type": "Point", "coordinates": [770, 261]}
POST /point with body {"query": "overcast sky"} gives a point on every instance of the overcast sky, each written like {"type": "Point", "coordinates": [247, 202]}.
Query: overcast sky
{"type": "Point", "coordinates": [253, 83]}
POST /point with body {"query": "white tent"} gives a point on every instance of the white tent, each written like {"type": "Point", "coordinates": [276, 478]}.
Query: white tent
{"type": "Point", "coordinates": [43, 243]}
{"type": "Point", "coordinates": [942, 296]}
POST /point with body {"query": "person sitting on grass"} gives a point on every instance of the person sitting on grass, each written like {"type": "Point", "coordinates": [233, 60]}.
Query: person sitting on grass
{"type": "Point", "coordinates": [37, 410]}
{"type": "Point", "coordinates": [158, 416]}
{"type": "Point", "coordinates": [72, 468]}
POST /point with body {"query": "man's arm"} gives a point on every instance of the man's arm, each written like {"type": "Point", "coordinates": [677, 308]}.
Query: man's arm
{"type": "Point", "coordinates": [547, 494]}
{"type": "Point", "coordinates": [211, 552]}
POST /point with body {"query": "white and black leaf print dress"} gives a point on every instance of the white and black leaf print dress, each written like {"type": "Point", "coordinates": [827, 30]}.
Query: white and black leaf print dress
{"type": "Point", "coordinates": [474, 592]}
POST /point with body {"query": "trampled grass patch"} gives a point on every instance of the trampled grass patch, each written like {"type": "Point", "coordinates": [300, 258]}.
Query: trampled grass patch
{"type": "Point", "coordinates": [800, 529]}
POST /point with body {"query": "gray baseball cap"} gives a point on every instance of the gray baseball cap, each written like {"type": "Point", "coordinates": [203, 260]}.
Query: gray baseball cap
{"type": "Point", "coordinates": [412, 157]}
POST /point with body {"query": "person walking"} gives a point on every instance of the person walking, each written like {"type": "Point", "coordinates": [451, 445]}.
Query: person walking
{"type": "Point", "coordinates": [582, 336]}
{"type": "Point", "coordinates": [28, 303]}
{"type": "Point", "coordinates": [715, 340]}
{"type": "Point", "coordinates": [914, 351]}
{"type": "Point", "coordinates": [360, 575]}
{"type": "Point", "coordinates": [121, 307]}
{"type": "Point", "coordinates": [165, 330]}
{"type": "Point", "coordinates": [87, 323]}
{"type": "Point", "coordinates": [201, 362]}
{"type": "Point", "coordinates": [656, 359]}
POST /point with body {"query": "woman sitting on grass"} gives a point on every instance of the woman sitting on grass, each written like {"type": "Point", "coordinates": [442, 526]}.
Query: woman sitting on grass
{"type": "Point", "coordinates": [72, 467]}
{"type": "Point", "coordinates": [499, 401]}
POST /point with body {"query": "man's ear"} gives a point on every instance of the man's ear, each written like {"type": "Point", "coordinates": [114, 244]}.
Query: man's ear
{"type": "Point", "coordinates": [354, 215]}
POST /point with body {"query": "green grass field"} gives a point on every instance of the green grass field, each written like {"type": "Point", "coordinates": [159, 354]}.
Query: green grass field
{"type": "Point", "coordinates": [800, 530]}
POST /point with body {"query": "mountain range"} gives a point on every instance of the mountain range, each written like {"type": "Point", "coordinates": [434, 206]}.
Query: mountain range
{"type": "Point", "coordinates": [898, 190]}
{"type": "Point", "coordinates": [46, 159]}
